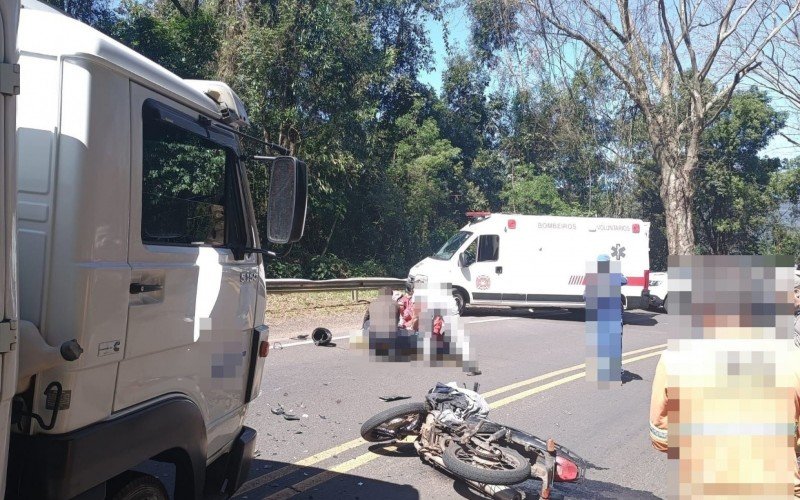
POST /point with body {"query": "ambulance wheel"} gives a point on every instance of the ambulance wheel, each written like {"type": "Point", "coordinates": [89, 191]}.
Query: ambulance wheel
{"type": "Point", "coordinates": [133, 485]}
{"type": "Point", "coordinates": [461, 301]}
{"type": "Point", "coordinates": [664, 304]}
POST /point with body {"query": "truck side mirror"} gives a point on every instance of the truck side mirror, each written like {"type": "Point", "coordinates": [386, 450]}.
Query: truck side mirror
{"type": "Point", "coordinates": [462, 260]}
{"type": "Point", "coordinates": [288, 198]}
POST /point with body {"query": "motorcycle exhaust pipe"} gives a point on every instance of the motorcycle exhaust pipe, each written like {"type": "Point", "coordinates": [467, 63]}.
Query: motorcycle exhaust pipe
{"type": "Point", "coordinates": [496, 491]}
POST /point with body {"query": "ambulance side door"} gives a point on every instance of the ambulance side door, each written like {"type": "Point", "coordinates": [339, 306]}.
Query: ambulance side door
{"type": "Point", "coordinates": [484, 270]}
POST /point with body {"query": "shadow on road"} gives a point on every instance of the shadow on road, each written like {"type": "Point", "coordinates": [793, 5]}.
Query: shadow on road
{"type": "Point", "coordinates": [588, 488]}
{"type": "Point", "coordinates": [584, 489]}
{"type": "Point", "coordinates": [269, 477]}
{"type": "Point", "coordinates": [400, 450]}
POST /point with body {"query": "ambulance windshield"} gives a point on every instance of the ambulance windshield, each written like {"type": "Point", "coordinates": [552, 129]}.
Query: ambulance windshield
{"type": "Point", "coordinates": [453, 244]}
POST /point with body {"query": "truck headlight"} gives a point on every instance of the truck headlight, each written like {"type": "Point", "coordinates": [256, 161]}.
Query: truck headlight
{"type": "Point", "coordinates": [419, 278]}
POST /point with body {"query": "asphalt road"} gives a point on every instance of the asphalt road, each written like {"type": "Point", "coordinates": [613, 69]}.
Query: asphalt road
{"type": "Point", "coordinates": [529, 370]}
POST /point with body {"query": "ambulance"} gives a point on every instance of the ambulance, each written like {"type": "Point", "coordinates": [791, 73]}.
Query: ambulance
{"type": "Point", "coordinates": [536, 261]}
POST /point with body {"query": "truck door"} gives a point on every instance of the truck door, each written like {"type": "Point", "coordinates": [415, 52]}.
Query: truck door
{"type": "Point", "coordinates": [192, 299]}
{"type": "Point", "coordinates": [9, 16]}
{"type": "Point", "coordinates": [485, 270]}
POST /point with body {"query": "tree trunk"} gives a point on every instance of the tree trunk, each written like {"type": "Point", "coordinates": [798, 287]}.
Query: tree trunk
{"type": "Point", "coordinates": [676, 191]}
{"type": "Point", "coordinates": [676, 194]}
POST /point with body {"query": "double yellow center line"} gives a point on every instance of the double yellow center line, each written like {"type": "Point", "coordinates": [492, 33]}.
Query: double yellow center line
{"type": "Point", "coordinates": [349, 465]}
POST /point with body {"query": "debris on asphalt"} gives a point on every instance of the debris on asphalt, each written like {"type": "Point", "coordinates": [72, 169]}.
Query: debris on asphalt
{"type": "Point", "coordinates": [300, 337]}
{"type": "Point", "coordinates": [305, 415]}
{"type": "Point", "coordinates": [321, 336]}
{"type": "Point", "coordinates": [323, 417]}
{"type": "Point", "coordinates": [277, 411]}
{"type": "Point", "coordinates": [287, 416]}
{"type": "Point", "coordinates": [389, 399]}
{"type": "Point", "coordinates": [278, 346]}
{"type": "Point", "coordinates": [298, 432]}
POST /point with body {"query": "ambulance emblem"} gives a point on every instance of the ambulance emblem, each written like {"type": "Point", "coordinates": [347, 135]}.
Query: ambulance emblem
{"type": "Point", "coordinates": [618, 251]}
{"type": "Point", "coordinates": [482, 282]}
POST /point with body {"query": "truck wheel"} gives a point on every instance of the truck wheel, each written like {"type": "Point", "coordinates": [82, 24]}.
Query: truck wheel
{"type": "Point", "coordinates": [138, 486]}
{"type": "Point", "coordinates": [461, 301]}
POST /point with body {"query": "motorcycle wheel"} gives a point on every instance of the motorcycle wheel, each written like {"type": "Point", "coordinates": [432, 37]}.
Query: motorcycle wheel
{"type": "Point", "coordinates": [395, 423]}
{"type": "Point", "coordinates": [470, 463]}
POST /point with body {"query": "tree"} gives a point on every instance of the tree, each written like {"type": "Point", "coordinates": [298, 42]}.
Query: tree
{"type": "Point", "coordinates": [533, 194]}
{"type": "Point", "coordinates": [781, 74]}
{"type": "Point", "coordinates": [659, 52]}
{"type": "Point", "coordinates": [733, 199]}
{"type": "Point", "coordinates": [97, 13]}
{"type": "Point", "coordinates": [431, 192]}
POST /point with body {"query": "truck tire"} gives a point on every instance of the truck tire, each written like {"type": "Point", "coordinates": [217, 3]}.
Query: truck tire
{"type": "Point", "coordinates": [414, 413]}
{"type": "Point", "coordinates": [138, 486]}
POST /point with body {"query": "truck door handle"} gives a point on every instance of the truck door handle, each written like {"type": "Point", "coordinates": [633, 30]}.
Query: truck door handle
{"type": "Point", "coordinates": [140, 288]}
{"type": "Point", "coordinates": [498, 269]}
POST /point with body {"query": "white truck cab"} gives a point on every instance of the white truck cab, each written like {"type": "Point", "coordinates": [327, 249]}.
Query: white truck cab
{"type": "Point", "coordinates": [536, 261]}
{"type": "Point", "coordinates": [141, 285]}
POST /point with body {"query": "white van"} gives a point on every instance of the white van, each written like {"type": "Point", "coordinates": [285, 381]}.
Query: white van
{"type": "Point", "coordinates": [141, 285]}
{"type": "Point", "coordinates": [536, 261]}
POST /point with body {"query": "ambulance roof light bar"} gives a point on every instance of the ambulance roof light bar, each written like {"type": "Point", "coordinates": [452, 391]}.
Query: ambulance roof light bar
{"type": "Point", "coordinates": [477, 216]}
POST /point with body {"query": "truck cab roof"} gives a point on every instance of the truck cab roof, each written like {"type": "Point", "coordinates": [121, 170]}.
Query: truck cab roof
{"type": "Point", "coordinates": [59, 35]}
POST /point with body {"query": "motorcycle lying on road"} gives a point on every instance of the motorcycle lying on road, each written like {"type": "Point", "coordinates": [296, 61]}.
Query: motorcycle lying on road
{"type": "Point", "coordinates": [489, 456]}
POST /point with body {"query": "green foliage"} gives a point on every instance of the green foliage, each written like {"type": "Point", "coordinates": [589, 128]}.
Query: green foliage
{"type": "Point", "coordinates": [734, 198]}
{"type": "Point", "coordinates": [328, 266]}
{"type": "Point", "coordinates": [184, 45]}
{"type": "Point", "coordinates": [532, 194]}
{"type": "Point", "coordinates": [277, 269]}
{"type": "Point", "coordinates": [394, 166]}
{"type": "Point", "coordinates": [368, 268]}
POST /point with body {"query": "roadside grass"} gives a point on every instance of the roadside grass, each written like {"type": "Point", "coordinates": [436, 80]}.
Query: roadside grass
{"type": "Point", "coordinates": [315, 304]}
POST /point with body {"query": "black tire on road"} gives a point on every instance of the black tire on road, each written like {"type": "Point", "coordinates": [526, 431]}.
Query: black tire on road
{"type": "Point", "coordinates": [461, 301]}
{"type": "Point", "coordinates": [664, 304]}
{"type": "Point", "coordinates": [139, 486]}
{"type": "Point", "coordinates": [519, 471]}
{"type": "Point", "coordinates": [370, 428]}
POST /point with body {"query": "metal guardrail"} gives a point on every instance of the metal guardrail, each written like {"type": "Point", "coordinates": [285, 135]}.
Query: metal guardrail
{"type": "Point", "coordinates": [336, 285]}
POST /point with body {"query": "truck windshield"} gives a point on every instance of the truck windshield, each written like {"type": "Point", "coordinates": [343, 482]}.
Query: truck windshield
{"type": "Point", "coordinates": [453, 244]}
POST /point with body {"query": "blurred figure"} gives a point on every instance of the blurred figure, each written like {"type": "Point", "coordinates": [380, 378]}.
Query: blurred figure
{"type": "Point", "coordinates": [603, 296]}
{"type": "Point", "coordinates": [726, 393]}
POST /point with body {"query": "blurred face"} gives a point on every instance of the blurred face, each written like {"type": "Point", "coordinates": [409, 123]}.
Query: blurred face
{"type": "Point", "coordinates": [797, 298]}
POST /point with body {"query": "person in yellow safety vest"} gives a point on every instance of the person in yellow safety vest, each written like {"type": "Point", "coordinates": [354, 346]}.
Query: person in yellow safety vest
{"type": "Point", "coordinates": [727, 397]}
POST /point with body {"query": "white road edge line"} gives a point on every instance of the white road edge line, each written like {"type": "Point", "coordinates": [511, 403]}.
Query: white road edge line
{"type": "Point", "coordinates": [487, 320]}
